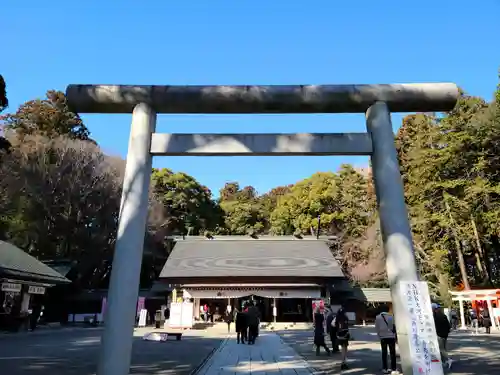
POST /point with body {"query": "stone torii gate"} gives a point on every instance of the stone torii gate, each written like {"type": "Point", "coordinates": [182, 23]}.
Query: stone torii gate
{"type": "Point", "coordinates": [145, 102]}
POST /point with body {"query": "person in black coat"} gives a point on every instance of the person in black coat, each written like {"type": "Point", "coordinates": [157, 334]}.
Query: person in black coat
{"type": "Point", "coordinates": [331, 330]}
{"type": "Point", "coordinates": [253, 320]}
{"type": "Point", "coordinates": [485, 315]}
{"type": "Point", "coordinates": [241, 326]}
{"type": "Point", "coordinates": [319, 331]}
{"type": "Point", "coordinates": [443, 329]}
{"type": "Point", "coordinates": [228, 318]}
{"type": "Point", "coordinates": [343, 334]}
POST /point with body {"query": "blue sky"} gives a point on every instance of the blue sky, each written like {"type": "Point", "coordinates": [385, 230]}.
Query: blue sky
{"type": "Point", "coordinates": [50, 44]}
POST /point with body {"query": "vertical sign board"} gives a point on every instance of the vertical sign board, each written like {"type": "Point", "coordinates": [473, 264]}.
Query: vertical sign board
{"type": "Point", "coordinates": [181, 315]}
{"type": "Point", "coordinates": [141, 301]}
{"type": "Point", "coordinates": [175, 320]}
{"type": "Point", "coordinates": [187, 315]}
{"type": "Point", "coordinates": [424, 347]}
{"type": "Point", "coordinates": [143, 314]}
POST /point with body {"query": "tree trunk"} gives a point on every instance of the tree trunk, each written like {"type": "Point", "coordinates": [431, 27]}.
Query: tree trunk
{"type": "Point", "coordinates": [460, 255]}
{"type": "Point", "coordinates": [480, 258]}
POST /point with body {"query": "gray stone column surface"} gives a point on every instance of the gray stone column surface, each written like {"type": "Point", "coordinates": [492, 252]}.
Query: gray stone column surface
{"type": "Point", "coordinates": [395, 227]}
{"type": "Point", "coordinates": [124, 285]}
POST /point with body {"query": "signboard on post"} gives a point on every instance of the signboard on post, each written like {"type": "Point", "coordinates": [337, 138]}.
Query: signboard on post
{"type": "Point", "coordinates": [32, 289]}
{"type": "Point", "coordinates": [11, 287]}
{"type": "Point", "coordinates": [141, 301]}
{"type": "Point", "coordinates": [181, 315]}
{"type": "Point", "coordinates": [142, 318]}
{"type": "Point", "coordinates": [424, 346]}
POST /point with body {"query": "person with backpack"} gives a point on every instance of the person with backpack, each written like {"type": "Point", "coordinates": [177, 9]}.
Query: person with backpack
{"type": "Point", "coordinates": [330, 329]}
{"type": "Point", "coordinates": [474, 320]}
{"type": "Point", "coordinates": [386, 331]}
{"type": "Point", "coordinates": [343, 335]}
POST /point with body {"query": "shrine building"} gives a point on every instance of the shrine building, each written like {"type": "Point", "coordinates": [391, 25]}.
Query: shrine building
{"type": "Point", "coordinates": [285, 272]}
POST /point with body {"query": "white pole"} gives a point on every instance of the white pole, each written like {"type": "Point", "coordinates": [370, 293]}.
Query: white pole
{"type": "Point", "coordinates": [395, 227]}
{"type": "Point", "coordinates": [462, 314]}
{"type": "Point", "coordinates": [275, 310]}
{"type": "Point", "coordinates": [117, 338]}
{"type": "Point", "coordinates": [490, 311]}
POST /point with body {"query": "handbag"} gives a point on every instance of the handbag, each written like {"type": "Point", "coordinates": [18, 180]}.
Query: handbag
{"type": "Point", "coordinates": [343, 335]}
{"type": "Point", "coordinates": [343, 332]}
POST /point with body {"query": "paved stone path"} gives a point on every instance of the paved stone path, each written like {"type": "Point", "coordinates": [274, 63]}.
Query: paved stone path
{"type": "Point", "coordinates": [76, 352]}
{"type": "Point", "coordinates": [269, 355]}
{"type": "Point", "coordinates": [473, 355]}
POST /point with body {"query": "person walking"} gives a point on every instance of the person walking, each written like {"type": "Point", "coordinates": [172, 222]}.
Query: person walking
{"type": "Point", "coordinates": [386, 331]}
{"type": "Point", "coordinates": [229, 317]}
{"type": "Point", "coordinates": [474, 321]}
{"type": "Point", "coordinates": [319, 331]}
{"type": "Point", "coordinates": [485, 316]}
{"type": "Point", "coordinates": [253, 323]}
{"type": "Point", "coordinates": [343, 335]}
{"type": "Point", "coordinates": [210, 314]}
{"type": "Point", "coordinates": [36, 312]}
{"type": "Point", "coordinates": [330, 329]}
{"type": "Point", "coordinates": [454, 319]}
{"type": "Point", "coordinates": [443, 328]}
{"type": "Point", "coordinates": [241, 326]}
{"type": "Point", "coordinates": [202, 313]}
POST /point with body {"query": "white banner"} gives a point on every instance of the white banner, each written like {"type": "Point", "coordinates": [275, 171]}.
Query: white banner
{"type": "Point", "coordinates": [216, 294]}
{"type": "Point", "coordinates": [288, 293]}
{"type": "Point", "coordinates": [267, 293]}
{"type": "Point", "coordinates": [424, 347]}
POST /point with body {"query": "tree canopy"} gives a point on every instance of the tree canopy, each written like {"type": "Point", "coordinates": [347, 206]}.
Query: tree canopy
{"type": "Point", "coordinates": [60, 196]}
{"type": "Point", "coordinates": [4, 102]}
{"type": "Point", "coordinates": [49, 117]}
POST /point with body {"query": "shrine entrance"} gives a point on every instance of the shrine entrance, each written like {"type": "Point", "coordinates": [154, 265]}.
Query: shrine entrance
{"type": "Point", "coordinates": [145, 102]}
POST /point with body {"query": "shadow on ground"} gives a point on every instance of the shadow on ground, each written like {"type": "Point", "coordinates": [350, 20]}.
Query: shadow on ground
{"type": "Point", "coordinates": [473, 355]}
{"type": "Point", "coordinates": [77, 353]}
